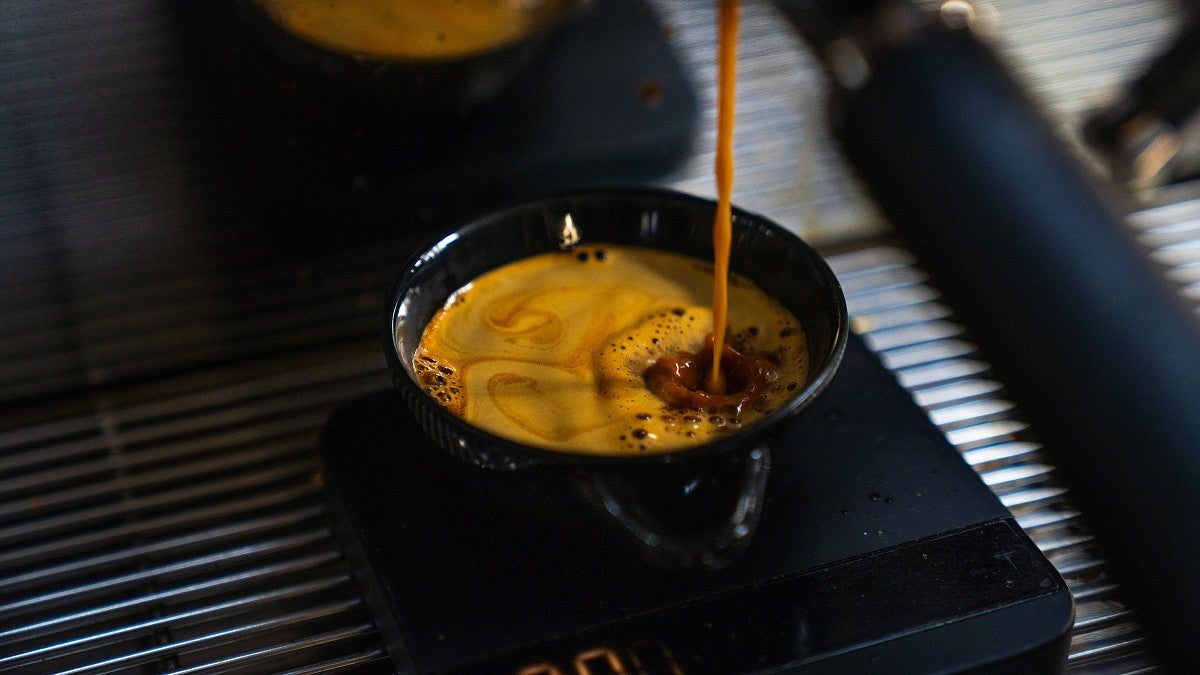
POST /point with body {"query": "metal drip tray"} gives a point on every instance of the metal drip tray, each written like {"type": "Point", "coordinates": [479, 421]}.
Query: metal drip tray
{"type": "Point", "coordinates": [186, 532]}
{"type": "Point", "coordinates": [169, 358]}
{"type": "Point", "coordinates": [181, 526]}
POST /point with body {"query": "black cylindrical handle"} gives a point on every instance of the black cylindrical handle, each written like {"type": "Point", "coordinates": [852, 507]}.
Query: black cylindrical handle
{"type": "Point", "coordinates": [1100, 353]}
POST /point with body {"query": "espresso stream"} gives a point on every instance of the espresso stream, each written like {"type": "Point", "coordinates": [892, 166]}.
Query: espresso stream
{"type": "Point", "coordinates": [553, 351]}
{"type": "Point", "coordinates": [615, 350]}
{"type": "Point", "coordinates": [728, 18]}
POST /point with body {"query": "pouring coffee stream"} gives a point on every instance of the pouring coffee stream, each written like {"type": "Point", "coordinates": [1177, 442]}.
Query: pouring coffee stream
{"type": "Point", "coordinates": [544, 383]}
{"type": "Point", "coordinates": [727, 26]}
{"type": "Point", "coordinates": [682, 381]}
{"type": "Point", "coordinates": [667, 376]}
{"type": "Point", "coordinates": [621, 354]}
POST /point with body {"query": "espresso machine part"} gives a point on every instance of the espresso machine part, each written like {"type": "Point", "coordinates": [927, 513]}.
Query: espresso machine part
{"type": "Point", "coordinates": [1146, 128]}
{"type": "Point", "coordinates": [1102, 355]}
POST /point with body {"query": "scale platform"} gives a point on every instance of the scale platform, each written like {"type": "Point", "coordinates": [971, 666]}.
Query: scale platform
{"type": "Point", "coordinates": [879, 549]}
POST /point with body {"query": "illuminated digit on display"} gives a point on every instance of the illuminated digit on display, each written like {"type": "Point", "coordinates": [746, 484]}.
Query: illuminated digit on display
{"type": "Point", "coordinates": [540, 669]}
{"type": "Point", "coordinates": [606, 656]}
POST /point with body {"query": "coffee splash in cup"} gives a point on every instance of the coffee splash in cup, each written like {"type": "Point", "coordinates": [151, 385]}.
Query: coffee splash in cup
{"type": "Point", "coordinates": [566, 351]}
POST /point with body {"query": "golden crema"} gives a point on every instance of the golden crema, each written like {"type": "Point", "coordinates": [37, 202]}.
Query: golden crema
{"type": "Point", "coordinates": [550, 351]}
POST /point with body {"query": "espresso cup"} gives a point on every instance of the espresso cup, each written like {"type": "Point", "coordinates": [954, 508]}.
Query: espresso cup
{"type": "Point", "coordinates": [690, 508]}
{"type": "Point", "coordinates": [423, 80]}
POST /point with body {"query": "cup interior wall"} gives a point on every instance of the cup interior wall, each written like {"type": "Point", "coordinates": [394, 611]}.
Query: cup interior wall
{"type": "Point", "coordinates": [775, 260]}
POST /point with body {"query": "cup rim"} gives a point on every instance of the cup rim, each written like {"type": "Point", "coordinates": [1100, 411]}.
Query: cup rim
{"type": "Point", "coordinates": [749, 438]}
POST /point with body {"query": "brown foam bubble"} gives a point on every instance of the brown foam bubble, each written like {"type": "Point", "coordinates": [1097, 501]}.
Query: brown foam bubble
{"type": "Point", "coordinates": [440, 381]}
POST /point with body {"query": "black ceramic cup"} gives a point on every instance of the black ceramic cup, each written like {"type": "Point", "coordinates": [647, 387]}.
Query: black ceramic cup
{"type": "Point", "coordinates": [690, 508]}
{"type": "Point", "coordinates": [420, 86]}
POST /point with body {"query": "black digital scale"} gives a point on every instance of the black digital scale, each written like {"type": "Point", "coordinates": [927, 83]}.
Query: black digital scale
{"type": "Point", "coordinates": [879, 549]}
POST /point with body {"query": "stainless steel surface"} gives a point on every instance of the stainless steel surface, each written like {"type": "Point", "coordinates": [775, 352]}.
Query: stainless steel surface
{"type": "Point", "coordinates": [182, 528]}
{"type": "Point", "coordinates": [174, 522]}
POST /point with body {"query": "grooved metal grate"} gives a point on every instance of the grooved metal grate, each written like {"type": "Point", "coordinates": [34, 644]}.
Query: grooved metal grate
{"type": "Point", "coordinates": [182, 532]}
{"type": "Point", "coordinates": [182, 529]}
{"type": "Point", "coordinates": [153, 520]}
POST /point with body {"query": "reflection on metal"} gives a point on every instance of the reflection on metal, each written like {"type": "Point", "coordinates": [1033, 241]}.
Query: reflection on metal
{"type": "Point", "coordinates": [1156, 144]}
{"type": "Point", "coordinates": [183, 532]}
{"type": "Point", "coordinates": [957, 14]}
{"type": "Point", "coordinates": [649, 224]}
{"type": "Point", "coordinates": [568, 235]}
{"type": "Point", "coordinates": [979, 16]}
{"type": "Point", "coordinates": [1172, 234]}
{"type": "Point", "coordinates": [848, 63]}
